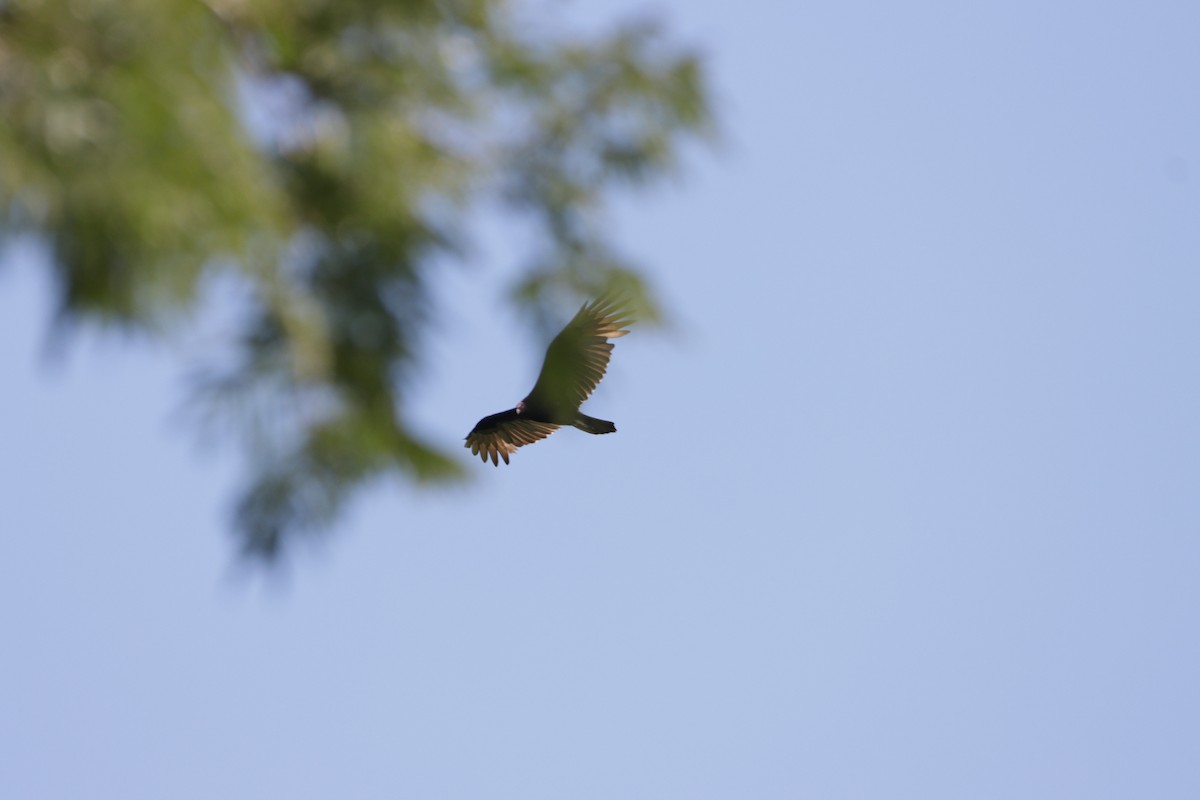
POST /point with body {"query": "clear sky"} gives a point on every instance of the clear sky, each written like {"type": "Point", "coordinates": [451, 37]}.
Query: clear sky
{"type": "Point", "coordinates": [905, 507]}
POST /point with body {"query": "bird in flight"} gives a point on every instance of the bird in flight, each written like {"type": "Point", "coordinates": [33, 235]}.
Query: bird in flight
{"type": "Point", "coordinates": [575, 363]}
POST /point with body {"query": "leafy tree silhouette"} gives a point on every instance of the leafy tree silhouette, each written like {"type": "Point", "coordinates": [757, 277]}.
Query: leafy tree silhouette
{"type": "Point", "coordinates": [322, 156]}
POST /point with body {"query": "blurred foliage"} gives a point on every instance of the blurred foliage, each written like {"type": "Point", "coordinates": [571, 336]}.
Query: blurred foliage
{"type": "Point", "coordinates": [326, 155]}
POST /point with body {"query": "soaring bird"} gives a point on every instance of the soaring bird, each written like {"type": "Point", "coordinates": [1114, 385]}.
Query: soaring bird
{"type": "Point", "coordinates": [575, 363]}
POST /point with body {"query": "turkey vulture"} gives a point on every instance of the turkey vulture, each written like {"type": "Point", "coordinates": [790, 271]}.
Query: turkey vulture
{"type": "Point", "coordinates": [575, 363]}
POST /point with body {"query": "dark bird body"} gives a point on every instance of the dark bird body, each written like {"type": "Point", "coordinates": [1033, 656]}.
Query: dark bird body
{"type": "Point", "coordinates": [575, 362]}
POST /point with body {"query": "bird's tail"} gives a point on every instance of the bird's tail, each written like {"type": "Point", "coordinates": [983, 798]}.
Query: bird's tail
{"type": "Point", "coordinates": [593, 425]}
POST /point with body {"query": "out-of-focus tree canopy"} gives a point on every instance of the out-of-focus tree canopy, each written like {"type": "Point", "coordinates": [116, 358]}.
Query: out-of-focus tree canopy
{"type": "Point", "coordinates": [325, 156]}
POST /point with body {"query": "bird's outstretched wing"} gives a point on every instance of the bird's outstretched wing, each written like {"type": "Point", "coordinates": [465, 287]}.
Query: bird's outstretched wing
{"type": "Point", "coordinates": [497, 436]}
{"type": "Point", "coordinates": [578, 357]}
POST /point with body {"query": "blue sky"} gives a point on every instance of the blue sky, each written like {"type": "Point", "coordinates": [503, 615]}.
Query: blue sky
{"type": "Point", "coordinates": [905, 507]}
